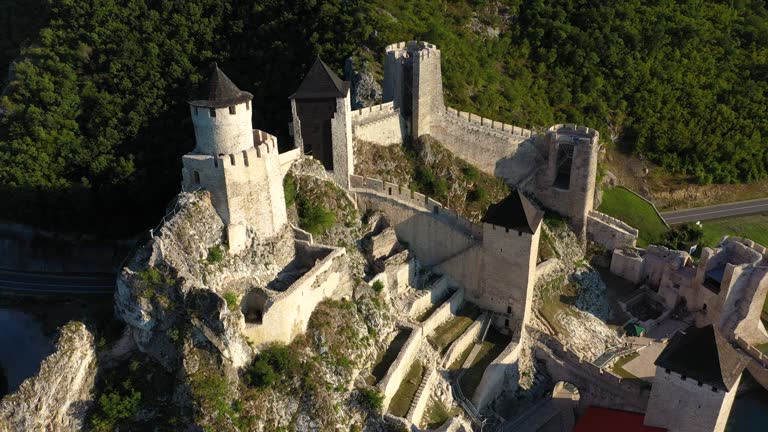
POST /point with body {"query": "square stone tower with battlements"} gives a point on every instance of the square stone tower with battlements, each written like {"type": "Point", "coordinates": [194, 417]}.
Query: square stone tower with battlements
{"type": "Point", "coordinates": [697, 376]}
{"type": "Point", "coordinates": [322, 121]}
{"type": "Point", "coordinates": [413, 80]}
{"type": "Point", "coordinates": [238, 165]}
{"type": "Point", "coordinates": [567, 183]}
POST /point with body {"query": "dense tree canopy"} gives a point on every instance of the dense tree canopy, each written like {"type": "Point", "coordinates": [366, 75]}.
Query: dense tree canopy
{"type": "Point", "coordinates": [95, 120]}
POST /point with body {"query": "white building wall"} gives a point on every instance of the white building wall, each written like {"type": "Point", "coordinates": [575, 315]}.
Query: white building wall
{"type": "Point", "coordinates": [341, 136]}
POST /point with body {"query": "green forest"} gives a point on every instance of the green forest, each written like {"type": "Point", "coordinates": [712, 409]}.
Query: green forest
{"type": "Point", "coordinates": [95, 119]}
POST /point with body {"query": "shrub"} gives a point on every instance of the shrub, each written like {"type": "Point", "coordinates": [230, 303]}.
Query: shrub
{"type": "Point", "coordinates": [151, 280]}
{"type": "Point", "coordinates": [289, 188]}
{"type": "Point", "coordinates": [471, 173]}
{"type": "Point", "coordinates": [215, 255]}
{"type": "Point", "coordinates": [269, 365]}
{"type": "Point", "coordinates": [231, 299]}
{"type": "Point", "coordinates": [478, 193]}
{"type": "Point", "coordinates": [684, 236]}
{"type": "Point", "coordinates": [116, 406]}
{"type": "Point", "coordinates": [316, 219]}
{"type": "Point", "coordinates": [260, 374]}
{"type": "Point", "coordinates": [378, 286]}
{"type": "Point", "coordinates": [372, 398]}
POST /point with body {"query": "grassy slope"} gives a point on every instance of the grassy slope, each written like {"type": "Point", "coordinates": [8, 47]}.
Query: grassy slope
{"type": "Point", "coordinates": [753, 227]}
{"type": "Point", "coordinates": [625, 205]}
{"type": "Point", "coordinates": [401, 401]}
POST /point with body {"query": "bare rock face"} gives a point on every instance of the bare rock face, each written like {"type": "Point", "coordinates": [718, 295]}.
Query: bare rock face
{"type": "Point", "coordinates": [57, 398]}
{"type": "Point", "coordinates": [175, 286]}
{"type": "Point", "coordinates": [366, 90]}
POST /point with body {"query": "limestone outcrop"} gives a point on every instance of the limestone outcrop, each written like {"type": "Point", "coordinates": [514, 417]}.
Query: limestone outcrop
{"type": "Point", "coordinates": [57, 398]}
{"type": "Point", "coordinates": [179, 280]}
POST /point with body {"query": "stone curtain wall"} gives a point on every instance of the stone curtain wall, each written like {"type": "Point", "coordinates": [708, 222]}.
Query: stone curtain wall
{"type": "Point", "coordinates": [609, 232]}
{"type": "Point", "coordinates": [287, 159]}
{"type": "Point", "coordinates": [341, 137]}
{"type": "Point", "coordinates": [436, 293]}
{"type": "Point", "coordinates": [379, 124]}
{"type": "Point", "coordinates": [287, 314]}
{"type": "Point", "coordinates": [477, 140]}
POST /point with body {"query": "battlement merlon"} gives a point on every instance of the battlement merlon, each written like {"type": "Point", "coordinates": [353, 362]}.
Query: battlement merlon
{"type": "Point", "coordinates": [425, 49]}
{"type": "Point", "coordinates": [573, 130]}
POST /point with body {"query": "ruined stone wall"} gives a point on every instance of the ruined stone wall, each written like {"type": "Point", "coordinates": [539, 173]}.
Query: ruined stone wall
{"type": "Point", "coordinates": [492, 382]}
{"type": "Point", "coordinates": [627, 265]}
{"type": "Point", "coordinates": [610, 232]}
{"type": "Point", "coordinates": [464, 341]}
{"type": "Point", "coordinates": [380, 124]}
{"type": "Point", "coordinates": [421, 398]}
{"type": "Point", "coordinates": [431, 296]}
{"type": "Point", "coordinates": [681, 405]}
{"type": "Point", "coordinates": [577, 199]}
{"type": "Point", "coordinates": [287, 314]}
{"type": "Point", "coordinates": [394, 377]}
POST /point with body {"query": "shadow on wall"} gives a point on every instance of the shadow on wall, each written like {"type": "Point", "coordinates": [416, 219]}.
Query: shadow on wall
{"type": "Point", "coordinates": [519, 166]}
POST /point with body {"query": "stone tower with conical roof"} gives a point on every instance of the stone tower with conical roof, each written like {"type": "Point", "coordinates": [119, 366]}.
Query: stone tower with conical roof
{"type": "Point", "coordinates": [237, 164]}
{"type": "Point", "coordinates": [322, 121]}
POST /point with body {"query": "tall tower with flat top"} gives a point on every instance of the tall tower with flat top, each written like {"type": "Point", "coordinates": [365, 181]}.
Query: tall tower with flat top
{"type": "Point", "coordinates": [237, 164]}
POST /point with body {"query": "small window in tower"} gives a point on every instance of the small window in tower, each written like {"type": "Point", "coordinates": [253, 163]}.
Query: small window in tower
{"type": "Point", "coordinates": [232, 110]}
{"type": "Point", "coordinates": [232, 159]}
{"type": "Point", "coordinates": [509, 309]}
{"type": "Point", "coordinates": [213, 112]}
{"type": "Point", "coordinates": [563, 169]}
{"type": "Point", "coordinates": [196, 176]}
{"type": "Point", "coordinates": [506, 323]}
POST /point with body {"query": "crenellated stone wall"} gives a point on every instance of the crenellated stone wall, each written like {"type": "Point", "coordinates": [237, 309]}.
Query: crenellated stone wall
{"type": "Point", "coordinates": [609, 232]}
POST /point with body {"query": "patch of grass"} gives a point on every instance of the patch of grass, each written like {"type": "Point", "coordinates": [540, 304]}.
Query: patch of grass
{"type": "Point", "coordinates": [231, 299]}
{"type": "Point", "coordinates": [436, 414]}
{"type": "Point", "coordinates": [456, 365]}
{"type": "Point", "coordinates": [289, 189]}
{"type": "Point", "coordinates": [378, 286]}
{"type": "Point", "coordinates": [115, 406]}
{"type": "Point", "coordinates": [382, 364]}
{"type": "Point", "coordinates": [151, 280]}
{"type": "Point", "coordinates": [628, 207]}
{"type": "Point", "coordinates": [492, 346]}
{"type": "Point", "coordinates": [401, 401]}
{"type": "Point", "coordinates": [215, 255]}
{"type": "Point", "coordinates": [753, 227]}
{"type": "Point", "coordinates": [448, 332]}
{"type": "Point", "coordinates": [618, 367]}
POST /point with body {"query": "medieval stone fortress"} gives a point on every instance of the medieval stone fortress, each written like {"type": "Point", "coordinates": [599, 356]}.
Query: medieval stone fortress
{"type": "Point", "coordinates": [692, 326]}
{"type": "Point", "coordinates": [492, 265]}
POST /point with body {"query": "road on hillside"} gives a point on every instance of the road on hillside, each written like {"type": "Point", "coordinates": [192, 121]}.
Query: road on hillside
{"type": "Point", "coordinates": [717, 211]}
{"type": "Point", "coordinates": [34, 283]}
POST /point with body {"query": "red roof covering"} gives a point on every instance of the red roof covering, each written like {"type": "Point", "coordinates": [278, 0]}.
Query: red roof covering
{"type": "Point", "coordinates": [599, 419]}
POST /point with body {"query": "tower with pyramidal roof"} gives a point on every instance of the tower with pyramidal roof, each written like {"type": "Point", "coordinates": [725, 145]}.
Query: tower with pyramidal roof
{"type": "Point", "coordinates": [322, 121]}
{"type": "Point", "coordinates": [237, 164]}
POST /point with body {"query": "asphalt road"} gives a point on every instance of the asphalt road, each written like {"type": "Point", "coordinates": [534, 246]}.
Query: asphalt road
{"type": "Point", "coordinates": [54, 283]}
{"type": "Point", "coordinates": [717, 211]}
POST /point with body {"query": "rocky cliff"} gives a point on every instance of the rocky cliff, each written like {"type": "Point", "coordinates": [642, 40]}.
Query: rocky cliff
{"type": "Point", "coordinates": [58, 397]}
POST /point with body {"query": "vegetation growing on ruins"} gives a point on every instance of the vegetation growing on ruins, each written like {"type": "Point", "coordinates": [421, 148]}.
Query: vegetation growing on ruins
{"type": "Point", "coordinates": [95, 123]}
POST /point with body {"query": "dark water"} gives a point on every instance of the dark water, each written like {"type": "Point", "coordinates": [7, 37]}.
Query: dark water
{"type": "Point", "coordinates": [749, 413]}
{"type": "Point", "coordinates": [23, 346]}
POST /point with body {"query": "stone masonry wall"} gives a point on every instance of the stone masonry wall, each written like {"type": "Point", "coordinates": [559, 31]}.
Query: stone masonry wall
{"type": "Point", "coordinates": [380, 124]}
{"type": "Point", "coordinates": [493, 378]}
{"type": "Point", "coordinates": [681, 405]}
{"type": "Point", "coordinates": [341, 136]}
{"type": "Point", "coordinates": [287, 314]}
{"type": "Point", "coordinates": [609, 232]}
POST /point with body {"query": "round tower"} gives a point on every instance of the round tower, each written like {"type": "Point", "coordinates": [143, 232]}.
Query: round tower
{"type": "Point", "coordinates": [222, 117]}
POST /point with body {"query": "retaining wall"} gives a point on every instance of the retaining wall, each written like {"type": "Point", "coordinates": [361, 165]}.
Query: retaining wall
{"type": "Point", "coordinates": [394, 377]}
{"type": "Point", "coordinates": [493, 378]}
{"type": "Point", "coordinates": [432, 295]}
{"type": "Point", "coordinates": [609, 232]}
{"type": "Point", "coordinates": [419, 404]}
{"type": "Point", "coordinates": [443, 313]}
{"type": "Point", "coordinates": [464, 341]}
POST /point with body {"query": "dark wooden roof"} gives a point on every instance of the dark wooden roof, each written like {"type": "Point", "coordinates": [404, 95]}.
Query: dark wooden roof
{"type": "Point", "coordinates": [699, 354]}
{"type": "Point", "coordinates": [220, 92]}
{"type": "Point", "coordinates": [509, 213]}
{"type": "Point", "coordinates": [321, 82]}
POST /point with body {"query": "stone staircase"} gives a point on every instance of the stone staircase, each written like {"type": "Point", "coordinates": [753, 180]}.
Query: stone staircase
{"type": "Point", "coordinates": [426, 379]}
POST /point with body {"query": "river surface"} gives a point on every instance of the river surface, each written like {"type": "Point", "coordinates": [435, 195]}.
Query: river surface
{"type": "Point", "coordinates": [23, 346]}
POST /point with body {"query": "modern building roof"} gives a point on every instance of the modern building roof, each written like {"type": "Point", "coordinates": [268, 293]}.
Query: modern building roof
{"type": "Point", "coordinates": [701, 355]}
{"type": "Point", "coordinates": [599, 419]}
{"type": "Point", "coordinates": [509, 213]}
{"type": "Point", "coordinates": [321, 82]}
{"type": "Point", "coordinates": [220, 92]}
